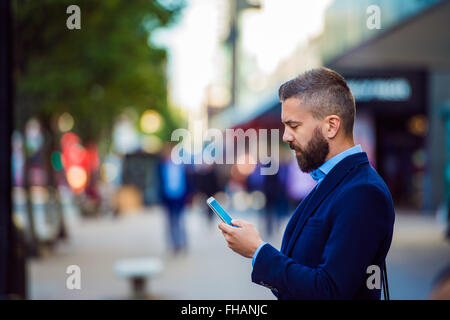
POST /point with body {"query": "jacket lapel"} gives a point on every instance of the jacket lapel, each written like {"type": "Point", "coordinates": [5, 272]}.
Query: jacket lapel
{"type": "Point", "coordinates": [293, 221]}
{"type": "Point", "coordinates": [329, 183]}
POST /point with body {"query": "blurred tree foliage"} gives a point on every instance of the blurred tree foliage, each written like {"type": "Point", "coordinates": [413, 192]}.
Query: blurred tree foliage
{"type": "Point", "coordinates": [93, 73]}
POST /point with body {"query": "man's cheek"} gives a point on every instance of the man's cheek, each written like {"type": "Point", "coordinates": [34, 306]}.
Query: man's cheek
{"type": "Point", "coordinates": [296, 144]}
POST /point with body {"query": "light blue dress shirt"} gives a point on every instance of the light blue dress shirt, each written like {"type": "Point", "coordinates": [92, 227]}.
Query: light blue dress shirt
{"type": "Point", "coordinates": [319, 174]}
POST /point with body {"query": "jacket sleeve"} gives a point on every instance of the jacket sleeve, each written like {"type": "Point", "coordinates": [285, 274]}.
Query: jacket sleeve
{"type": "Point", "coordinates": [360, 221]}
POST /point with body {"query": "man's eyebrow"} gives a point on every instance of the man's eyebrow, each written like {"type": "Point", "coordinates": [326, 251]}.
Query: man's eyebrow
{"type": "Point", "coordinates": [290, 122]}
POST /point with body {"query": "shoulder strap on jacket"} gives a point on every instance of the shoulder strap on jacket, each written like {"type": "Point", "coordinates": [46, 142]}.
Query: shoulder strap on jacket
{"type": "Point", "coordinates": [385, 282]}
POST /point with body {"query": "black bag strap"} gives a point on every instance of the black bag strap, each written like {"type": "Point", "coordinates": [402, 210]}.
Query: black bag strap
{"type": "Point", "coordinates": [385, 282]}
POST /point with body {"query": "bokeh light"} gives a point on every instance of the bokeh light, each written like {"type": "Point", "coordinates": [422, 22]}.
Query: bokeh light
{"type": "Point", "coordinates": [68, 139]}
{"type": "Point", "coordinates": [151, 121]}
{"type": "Point", "coordinates": [418, 125]}
{"type": "Point", "coordinates": [33, 135]}
{"type": "Point", "coordinates": [258, 200]}
{"type": "Point", "coordinates": [77, 178]}
{"type": "Point", "coordinates": [151, 144]}
{"type": "Point", "coordinates": [65, 122]}
{"type": "Point", "coordinates": [241, 200]}
{"type": "Point", "coordinates": [56, 160]}
{"type": "Point", "coordinates": [75, 155]}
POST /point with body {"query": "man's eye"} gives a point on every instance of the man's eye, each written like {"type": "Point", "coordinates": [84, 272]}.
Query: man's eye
{"type": "Point", "coordinates": [294, 126]}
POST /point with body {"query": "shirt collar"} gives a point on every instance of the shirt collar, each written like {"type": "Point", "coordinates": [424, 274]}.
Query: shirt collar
{"type": "Point", "coordinates": [320, 173]}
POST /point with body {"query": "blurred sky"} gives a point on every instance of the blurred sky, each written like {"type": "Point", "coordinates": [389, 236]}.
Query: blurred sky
{"type": "Point", "coordinates": [269, 35]}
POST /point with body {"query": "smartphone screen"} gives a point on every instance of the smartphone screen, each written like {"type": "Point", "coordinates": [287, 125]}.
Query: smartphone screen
{"type": "Point", "coordinates": [218, 210]}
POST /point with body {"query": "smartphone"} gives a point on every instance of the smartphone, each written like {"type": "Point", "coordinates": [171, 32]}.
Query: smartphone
{"type": "Point", "coordinates": [218, 210]}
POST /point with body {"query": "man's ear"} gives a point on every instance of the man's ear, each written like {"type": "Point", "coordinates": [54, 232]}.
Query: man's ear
{"type": "Point", "coordinates": [333, 123]}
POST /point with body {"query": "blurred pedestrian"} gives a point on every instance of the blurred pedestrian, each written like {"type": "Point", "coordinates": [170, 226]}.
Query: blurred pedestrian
{"type": "Point", "coordinates": [173, 196]}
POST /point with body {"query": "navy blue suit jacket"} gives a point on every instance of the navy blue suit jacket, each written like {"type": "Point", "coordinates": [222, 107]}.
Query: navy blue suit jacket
{"type": "Point", "coordinates": [337, 231]}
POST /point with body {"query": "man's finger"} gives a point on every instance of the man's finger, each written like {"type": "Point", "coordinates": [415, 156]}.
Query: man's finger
{"type": "Point", "coordinates": [222, 227]}
{"type": "Point", "coordinates": [238, 222]}
{"type": "Point", "coordinates": [226, 228]}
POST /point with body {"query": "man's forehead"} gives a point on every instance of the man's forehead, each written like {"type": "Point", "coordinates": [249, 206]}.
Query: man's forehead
{"type": "Point", "coordinates": [293, 109]}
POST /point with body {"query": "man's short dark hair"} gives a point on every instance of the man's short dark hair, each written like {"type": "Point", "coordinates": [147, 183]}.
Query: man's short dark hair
{"type": "Point", "coordinates": [325, 92]}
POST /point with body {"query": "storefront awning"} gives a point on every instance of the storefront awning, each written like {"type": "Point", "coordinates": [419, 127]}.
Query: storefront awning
{"type": "Point", "coordinates": [422, 41]}
{"type": "Point", "coordinates": [262, 112]}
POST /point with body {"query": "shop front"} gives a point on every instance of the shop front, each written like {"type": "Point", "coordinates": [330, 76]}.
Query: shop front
{"type": "Point", "coordinates": [391, 125]}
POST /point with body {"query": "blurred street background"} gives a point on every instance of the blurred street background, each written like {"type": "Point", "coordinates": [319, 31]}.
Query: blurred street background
{"type": "Point", "coordinates": [92, 112]}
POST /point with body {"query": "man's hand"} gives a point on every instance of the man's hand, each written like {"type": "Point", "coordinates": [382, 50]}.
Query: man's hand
{"type": "Point", "coordinates": [243, 240]}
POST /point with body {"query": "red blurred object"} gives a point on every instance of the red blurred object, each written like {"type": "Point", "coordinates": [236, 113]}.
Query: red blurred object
{"type": "Point", "coordinates": [79, 162]}
{"type": "Point", "coordinates": [69, 139]}
{"type": "Point", "coordinates": [76, 164]}
{"type": "Point", "coordinates": [75, 159]}
{"type": "Point", "coordinates": [92, 154]}
{"type": "Point", "coordinates": [75, 155]}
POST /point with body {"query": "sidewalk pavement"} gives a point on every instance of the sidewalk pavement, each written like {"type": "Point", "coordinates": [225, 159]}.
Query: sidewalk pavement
{"type": "Point", "coordinates": [209, 269]}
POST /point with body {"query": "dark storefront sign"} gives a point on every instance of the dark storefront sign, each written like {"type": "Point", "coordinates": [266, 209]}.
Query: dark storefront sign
{"type": "Point", "coordinates": [390, 92]}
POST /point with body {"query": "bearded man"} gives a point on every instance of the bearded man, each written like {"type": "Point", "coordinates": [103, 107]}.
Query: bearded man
{"type": "Point", "coordinates": [341, 232]}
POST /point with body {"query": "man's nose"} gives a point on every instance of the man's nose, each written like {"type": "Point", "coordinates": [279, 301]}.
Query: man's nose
{"type": "Point", "coordinates": [287, 137]}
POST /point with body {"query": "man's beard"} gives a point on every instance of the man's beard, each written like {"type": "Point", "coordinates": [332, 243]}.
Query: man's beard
{"type": "Point", "coordinates": [315, 153]}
